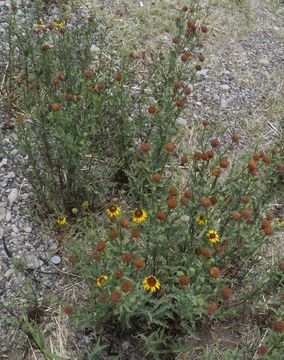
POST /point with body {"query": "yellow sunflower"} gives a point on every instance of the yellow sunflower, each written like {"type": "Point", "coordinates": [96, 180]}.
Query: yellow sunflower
{"type": "Point", "coordinates": [61, 220]}
{"type": "Point", "coordinates": [139, 215]}
{"type": "Point", "coordinates": [40, 24]}
{"type": "Point", "coordinates": [58, 24]}
{"type": "Point", "coordinates": [113, 211]}
{"type": "Point", "coordinates": [201, 220]}
{"type": "Point", "coordinates": [213, 236]}
{"type": "Point", "coordinates": [151, 283]}
{"type": "Point", "coordinates": [101, 280]}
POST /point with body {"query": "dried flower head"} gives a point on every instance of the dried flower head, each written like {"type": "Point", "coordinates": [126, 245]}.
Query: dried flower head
{"type": "Point", "coordinates": [68, 309]}
{"type": "Point", "coordinates": [118, 273]}
{"type": "Point", "coordinates": [118, 77]}
{"type": "Point", "coordinates": [156, 178]}
{"type": "Point", "coordinates": [173, 191]}
{"type": "Point", "coordinates": [126, 257]}
{"type": "Point", "coordinates": [88, 73]}
{"type": "Point", "coordinates": [135, 234]}
{"type": "Point", "coordinates": [216, 171]}
{"type": "Point", "coordinates": [184, 280]}
{"type": "Point", "coordinates": [246, 214]}
{"type": "Point", "coordinates": [124, 222]}
{"type": "Point", "coordinates": [126, 285]}
{"type": "Point", "coordinates": [172, 203]}
{"type": "Point", "coordinates": [262, 350]}
{"type": "Point", "coordinates": [113, 234]}
{"type": "Point", "coordinates": [96, 255]}
{"type": "Point", "coordinates": [101, 245]}
{"type": "Point", "coordinates": [226, 293]}
{"type": "Point", "coordinates": [183, 160]}
{"type": "Point", "coordinates": [160, 215]}
{"type": "Point", "coordinates": [198, 251]}
{"type": "Point", "coordinates": [214, 272]}
{"type": "Point", "coordinates": [215, 143]}
{"type": "Point", "coordinates": [235, 215]}
{"type": "Point", "coordinates": [188, 194]}
{"type": "Point", "coordinates": [206, 252]}
{"type": "Point", "coordinates": [212, 308]}
{"type": "Point", "coordinates": [201, 58]}
{"type": "Point", "coordinates": [115, 297]}
{"type": "Point", "coordinates": [245, 199]}
{"type": "Point", "coordinates": [180, 103]}
{"type": "Point", "coordinates": [152, 109]}
{"type": "Point", "coordinates": [205, 202]}
{"type": "Point", "coordinates": [56, 106]}
{"type": "Point", "coordinates": [278, 326]}
{"type": "Point", "coordinates": [145, 147]}
{"type": "Point", "coordinates": [224, 163]}
{"type": "Point", "coordinates": [139, 264]}
{"type": "Point", "coordinates": [170, 148]}
{"type": "Point", "coordinates": [184, 201]}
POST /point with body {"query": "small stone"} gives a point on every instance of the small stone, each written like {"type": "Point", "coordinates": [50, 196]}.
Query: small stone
{"type": "Point", "coordinates": [13, 196]}
{"type": "Point", "coordinates": [225, 87]}
{"type": "Point", "coordinates": [2, 213]}
{"type": "Point", "coordinates": [11, 175]}
{"type": "Point", "coordinates": [32, 261]}
{"type": "Point", "coordinates": [223, 103]}
{"type": "Point", "coordinates": [203, 72]}
{"type": "Point", "coordinates": [264, 61]}
{"type": "Point", "coordinates": [28, 229]}
{"type": "Point", "coordinates": [56, 259]}
{"type": "Point", "coordinates": [9, 273]}
{"type": "Point", "coordinates": [8, 216]}
{"type": "Point", "coordinates": [14, 228]}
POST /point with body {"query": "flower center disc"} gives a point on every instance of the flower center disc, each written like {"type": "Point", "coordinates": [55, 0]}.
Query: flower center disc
{"type": "Point", "coordinates": [212, 236]}
{"type": "Point", "coordinates": [138, 213]}
{"type": "Point", "coordinates": [112, 208]}
{"type": "Point", "coordinates": [151, 281]}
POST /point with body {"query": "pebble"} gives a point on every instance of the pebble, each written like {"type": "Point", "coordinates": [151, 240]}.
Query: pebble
{"type": "Point", "coordinates": [225, 87]}
{"type": "Point", "coordinates": [13, 196]}
{"type": "Point", "coordinates": [9, 273]}
{"type": "Point", "coordinates": [8, 216]}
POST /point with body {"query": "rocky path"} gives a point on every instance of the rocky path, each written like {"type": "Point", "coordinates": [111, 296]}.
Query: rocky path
{"type": "Point", "coordinates": [240, 84]}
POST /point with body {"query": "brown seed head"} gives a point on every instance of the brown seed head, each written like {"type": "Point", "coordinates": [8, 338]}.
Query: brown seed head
{"type": "Point", "coordinates": [126, 257]}
{"type": "Point", "coordinates": [126, 285]}
{"type": "Point", "coordinates": [139, 264]}
{"type": "Point", "coordinates": [56, 106]}
{"type": "Point", "coordinates": [184, 201]}
{"type": "Point", "coordinates": [198, 251]}
{"type": "Point", "coordinates": [118, 273]}
{"type": "Point", "coordinates": [252, 165]}
{"type": "Point", "coordinates": [115, 297]}
{"type": "Point", "coordinates": [198, 67]}
{"type": "Point", "coordinates": [172, 203]}
{"type": "Point", "coordinates": [178, 85]}
{"type": "Point", "coordinates": [135, 234]}
{"type": "Point", "coordinates": [183, 160]}
{"type": "Point", "coordinates": [279, 167]}
{"type": "Point", "coordinates": [201, 57]}
{"type": "Point", "coordinates": [173, 191]}
{"type": "Point", "coordinates": [214, 272]}
{"type": "Point", "coordinates": [206, 252]}
{"type": "Point", "coordinates": [204, 28]}
{"type": "Point", "coordinates": [45, 47]}
{"type": "Point", "coordinates": [101, 245]}
{"type": "Point", "coordinates": [124, 222]}
{"type": "Point", "coordinates": [281, 266]}
{"type": "Point", "coordinates": [185, 8]}
{"type": "Point", "coordinates": [256, 156]}
{"type": "Point", "coordinates": [215, 143]}
{"type": "Point", "coordinates": [197, 155]}
{"type": "Point", "coordinates": [180, 103]}
{"type": "Point", "coordinates": [96, 254]}
{"type": "Point", "coordinates": [187, 90]}
{"type": "Point", "coordinates": [262, 350]}
{"type": "Point", "coordinates": [176, 40]}
{"type": "Point", "coordinates": [213, 201]}
{"type": "Point", "coordinates": [184, 280]}
{"type": "Point", "coordinates": [170, 148]}
{"type": "Point", "coordinates": [69, 98]}
{"type": "Point", "coordinates": [204, 156]}
{"type": "Point", "coordinates": [88, 73]}
{"type": "Point", "coordinates": [145, 147]}
{"type": "Point", "coordinates": [278, 326]}
{"type": "Point", "coordinates": [117, 77]}
{"type": "Point", "coordinates": [156, 178]}
{"type": "Point", "coordinates": [212, 308]}
{"type": "Point", "coordinates": [103, 298]}
{"type": "Point", "coordinates": [160, 215]}
{"type": "Point", "coordinates": [62, 30]}
{"type": "Point", "coordinates": [235, 138]}
{"type": "Point", "coordinates": [100, 86]}
{"type": "Point", "coordinates": [245, 199]}
{"type": "Point", "coordinates": [224, 163]}
{"type": "Point", "coordinates": [266, 159]}
{"type": "Point", "coordinates": [210, 154]}
{"type": "Point", "coordinates": [184, 58]}
{"type": "Point", "coordinates": [226, 293]}
{"type": "Point", "coordinates": [113, 234]}
{"type": "Point", "coordinates": [246, 214]}
{"type": "Point", "coordinates": [205, 202]}
{"type": "Point", "coordinates": [152, 109]}
{"type": "Point", "coordinates": [205, 123]}
{"type": "Point", "coordinates": [268, 231]}
{"type": "Point", "coordinates": [235, 215]}
{"type": "Point", "coordinates": [274, 151]}
{"type": "Point", "coordinates": [216, 171]}
{"type": "Point", "coordinates": [68, 309]}
{"type": "Point", "coordinates": [188, 194]}
{"type": "Point", "coordinates": [191, 24]}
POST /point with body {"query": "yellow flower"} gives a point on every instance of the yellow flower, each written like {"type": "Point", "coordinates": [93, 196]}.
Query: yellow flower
{"type": "Point", "coordinates": [213, 236]}
{"type": "Point", "coordinates": [58, 24]}
{"type": "Point", "coordinates": [139, 215]}
{"type": "Point", "coordinates": [151, 283]}
{"type": "Point", "coordinates": [201, 220]}
{"type": "Point", "coordinates": [101, 280]}
{"type": "Point", "coordinates": [61, 220]}
{"type": "Point", "coordinates": [40, 24]}
{"type": "Point", "coordinates": [279, 222]}
{"type": "Point", "coordinates": [85, 205]}
{"type": "Point", "coordinates": [113, 211]}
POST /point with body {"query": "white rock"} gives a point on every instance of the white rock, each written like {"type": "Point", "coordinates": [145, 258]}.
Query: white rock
{"type": "Point", "coordinates": [32, 261]}
{"type": "Point", "coordinates": [9, 273]}
{"type": "Point", "coordinates": [203, 72]}
{"type": "Point", "coordinates": [2, 213]}
{"type": "Point", "coordinates": [3, 162]}
{"type": "Point", "coordinates": [225, 87]}
{"type": "Point", "coordinates": [8, 215]}
{"type": "Point", "coordinates": [264, 61]}
{"type": "Point", "coordinates": [223, 103]}
{"type": "Point", "coordinates": [28, 229]}
{"type": "Point", "coordinates": [13, 196]}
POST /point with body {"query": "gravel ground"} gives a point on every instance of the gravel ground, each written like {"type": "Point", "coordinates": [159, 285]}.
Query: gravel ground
{"type": "Point", "coordinates": [239, 85]}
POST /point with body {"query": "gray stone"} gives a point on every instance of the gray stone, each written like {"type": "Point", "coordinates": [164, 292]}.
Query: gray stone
{"type": "Point", "coordinates": [32, 261]}
{"type": "Point", "coordinates": [9, 273]}
{"type": "Point", "coordinates": [223, 103]}
{"type": "Point", "coordinates": [13, 196]}
{"type": "Point", "coordinates": [8, 215]}
{"type": "Point", "coordinates": [225, 87]}
{"type": "Point", "coordinates": [2, 213]}
{"type": "Point", "coordinates": [203, 72]}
